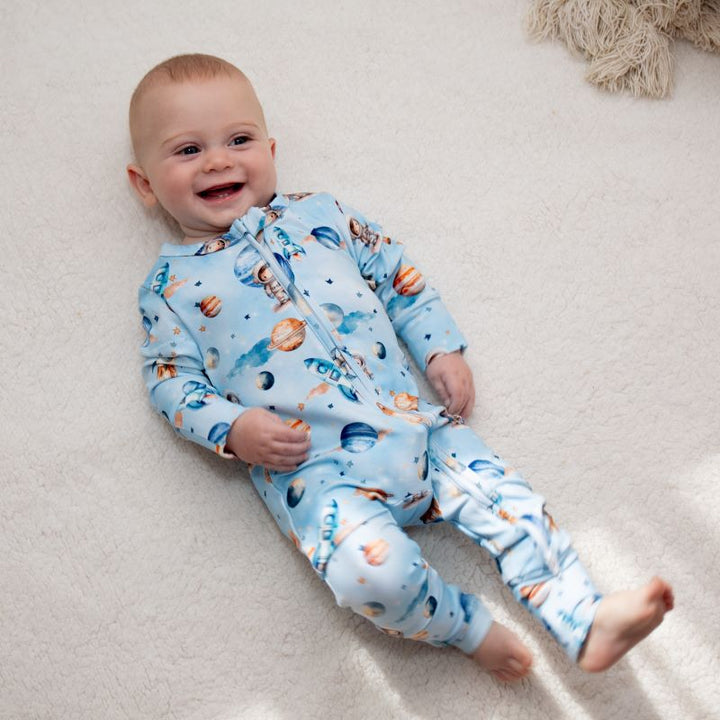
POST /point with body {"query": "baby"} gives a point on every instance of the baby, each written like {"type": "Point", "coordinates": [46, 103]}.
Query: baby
{"type": "Point", "coordinates": [272, 337]}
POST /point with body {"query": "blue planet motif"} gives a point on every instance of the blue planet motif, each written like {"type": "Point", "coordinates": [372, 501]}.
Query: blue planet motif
{"type": "Point", "coordinates": [379, 350]}
{"type": "Point", "coordinates": [485, 466]}
{"type": "Point", "coordinates": [295, 492]}
{"type": "Point", "coordinates": [373, 609]}
{"type": "Point", "coordinates": [265, 380]}
{"type": "Point", "coordinates": [327, 237]}
{"type": "Point", "coordinates": [218, 433]}
{"type": "Point", "coordinates": [423, 466]}
{"type": "Point", "coordinates": [358, 437]}
{"type": "Point", "coordinates": [147, 326]}
{"type": "Point", "coordinates": [245, 263]}
{"type": "Point", "coordinates": [430, 607]}
{"type": "Point", "coordinates": [334, 312]}
{"type": "Point", "coordinates": [212, 356]}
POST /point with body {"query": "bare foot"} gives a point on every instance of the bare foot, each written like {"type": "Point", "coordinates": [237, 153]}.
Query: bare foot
{"type": "Point", "coordinates": [622, 620]}
{"type": "Point", "coordinates": [503, 655]}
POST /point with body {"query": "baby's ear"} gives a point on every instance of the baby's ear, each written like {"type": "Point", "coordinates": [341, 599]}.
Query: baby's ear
{"type": "Point", "coordinates": [141, 184]}
{"type": "Point", "coordinates": [272, 146]}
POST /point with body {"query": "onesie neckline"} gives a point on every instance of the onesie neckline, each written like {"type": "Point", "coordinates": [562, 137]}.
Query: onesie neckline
{"type": "Point", "coordinates": [279, 203]}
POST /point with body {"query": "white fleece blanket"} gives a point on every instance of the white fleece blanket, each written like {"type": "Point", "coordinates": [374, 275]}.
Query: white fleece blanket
{"type": "Point", "coordinates": [575, 236]}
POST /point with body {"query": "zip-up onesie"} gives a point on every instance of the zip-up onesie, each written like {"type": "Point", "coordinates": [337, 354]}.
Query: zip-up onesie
{"type": "Point", "coordinates": [297, 309]}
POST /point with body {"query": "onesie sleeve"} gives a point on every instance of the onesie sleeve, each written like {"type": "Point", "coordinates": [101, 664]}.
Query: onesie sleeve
{"type": "Point", "coordinates": [174, 374]}
{"type": "Point", "coordinates": [416, 311]}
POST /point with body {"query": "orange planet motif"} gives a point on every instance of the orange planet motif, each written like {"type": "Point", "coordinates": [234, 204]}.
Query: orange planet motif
{"type": "Point", "coordinates": [405, 401]}
{"type": "Point", "coordinates": [408, 281]}
{"type": "Point", "coordinates": [297, 424]}
{"type": "Point", "coordinates": [287, 335]}
{"type": "Point", "coordinates": [376, 552]}
{"type": "Point", "coordinates": [210, 306]}
{"type": "Point", "coordinates": [536, 595]}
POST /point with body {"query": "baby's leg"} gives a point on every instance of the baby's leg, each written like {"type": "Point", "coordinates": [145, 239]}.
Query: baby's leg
{"type": "Point", "coordinates": [379, 572]}
{"type": "Point", "coordinates": [497, 508]}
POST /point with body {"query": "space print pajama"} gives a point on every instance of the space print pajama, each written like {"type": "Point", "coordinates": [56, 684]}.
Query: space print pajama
{"type": "Point", "coordinates": [297, 310]}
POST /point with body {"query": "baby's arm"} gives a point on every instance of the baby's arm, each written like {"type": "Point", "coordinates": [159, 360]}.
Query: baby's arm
{"type": "Point", "coordinates": [452, 380]}
{"type": "Point", "coordinates": [183, 393]}
{"type": "Point", "coordinates": [417, 313]}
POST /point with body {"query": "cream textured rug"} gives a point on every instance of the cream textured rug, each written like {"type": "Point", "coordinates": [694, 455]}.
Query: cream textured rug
{"type": "Point", "coordinates": [573, 233]}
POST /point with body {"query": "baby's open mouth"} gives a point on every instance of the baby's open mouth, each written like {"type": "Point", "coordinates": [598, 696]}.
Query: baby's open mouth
{"type": "Point", "coordinates": [221, 192]}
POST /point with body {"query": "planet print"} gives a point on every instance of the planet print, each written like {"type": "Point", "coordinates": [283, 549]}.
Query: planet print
{"type": "Point", "coordinates": [287, 335]}
{"type": "Point", "coordinates": [212, 356]}
{"type": "Point", "coordinates": [423, 466]}
{"type": "Point", "coordinates": [358, 437]}
{"type": "Point", "coordinates": [482, 466]}
{"type": "Point", "coordinates": [295, 492]}
{"type": "Point", "coordinates": [379, 350]}
{"type": "Point", "coordinates": [334, 313]}
{"type": "Point", "coordinates": [218, 433]}
{"type": "Point", "coordinates": [265, 380]}
{"type": "Point", "coordinates": [408, 281]}
{"type": "Point", "coordinates": [327, 237]}
{"type": "Point", "coordinates": [373, 609]}
{"type": "Point", "coordinates": [297, 424]}
{"type": "Point", "coordinates": [245, 263]}
{"type": "Point", "coordinates": [210, 306]}
{"type": "Point", "coordinates": [430, 607]}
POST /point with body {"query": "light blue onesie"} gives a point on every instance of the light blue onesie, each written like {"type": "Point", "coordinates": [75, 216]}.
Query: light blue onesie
{"type": "Point", "coordinates": [296, 309]}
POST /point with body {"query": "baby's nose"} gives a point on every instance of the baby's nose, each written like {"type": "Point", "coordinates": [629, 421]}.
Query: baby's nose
{"type": "Point", "coordinates": [217, 159]}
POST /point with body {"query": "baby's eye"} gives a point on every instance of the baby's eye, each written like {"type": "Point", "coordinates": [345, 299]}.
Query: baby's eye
{"type": "Point", "coordinates": [239, 140]}
{"type": "Point", "coordinates": [189, 150]}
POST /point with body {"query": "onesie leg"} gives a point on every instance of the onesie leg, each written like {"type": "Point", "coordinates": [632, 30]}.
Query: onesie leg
{"type": "Point", "coordinates": [494, 505]}
{"type": "Point", "coordinates": [379, 572]}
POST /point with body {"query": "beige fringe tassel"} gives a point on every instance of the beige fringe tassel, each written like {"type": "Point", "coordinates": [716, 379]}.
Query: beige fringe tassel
{"type": "Point", "coordinates": [627, 44]}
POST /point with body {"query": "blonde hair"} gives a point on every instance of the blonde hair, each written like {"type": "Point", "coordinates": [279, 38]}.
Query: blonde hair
{"type": "Point", "coordinates": [178, 69]}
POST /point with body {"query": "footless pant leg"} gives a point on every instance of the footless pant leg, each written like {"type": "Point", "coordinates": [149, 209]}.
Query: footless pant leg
{"type": "Point", "coordinates": [380, 573]}
{"type": "Point", "coordinates": [497, 508]}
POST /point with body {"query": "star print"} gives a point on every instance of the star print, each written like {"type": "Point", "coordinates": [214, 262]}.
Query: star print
{"type": "Point", "coordinates": [247, 317]}
{"type": "Point", "coordinates": [428, 336]}
{"type": "Point", "coordinates": [350, 463]}
{"type": "Point", "coordinates": [415, 459]}
{"type": "Point", "coordinates": [329, 281]}
{"type": "Point", "coordinates": [331, 406]}
{"type": "Point", "coordinates": [232, 336]}
{"type": "Point", "coordinates": [176, 331]}
{"type": "Point", "coordinates": [342, 472]}
{"type": "Point", "coordinates": [359, 294]}
{"type": "Point", "coordinates": [156, 318]}
{"type": "Point", "coordinates": [172, 278]}
{"type": "Point", "coordinates": [202, 328]}
{"type": "Point", "coordinates": [427, 309]}
{"type": "Point", "coordinates": [198, 283]}
{"type": "Point", "coordinates": [197, 304]}
{"type": "Point", "coordinates": [306, 293]}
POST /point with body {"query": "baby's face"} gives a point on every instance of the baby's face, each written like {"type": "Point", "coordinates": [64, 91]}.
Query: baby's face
{"type": "Point", "coordinates": [203, 153]}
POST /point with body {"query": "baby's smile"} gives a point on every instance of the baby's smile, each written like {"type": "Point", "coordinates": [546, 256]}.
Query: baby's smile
{"type": "Point", "coordinates": [220, 193]}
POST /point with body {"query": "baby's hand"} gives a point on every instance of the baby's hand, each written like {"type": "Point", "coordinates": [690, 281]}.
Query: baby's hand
{"type": "Point", "coordinates": [452, 380]}
{"type": "Point", "coordinates": [260, 437]}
